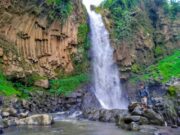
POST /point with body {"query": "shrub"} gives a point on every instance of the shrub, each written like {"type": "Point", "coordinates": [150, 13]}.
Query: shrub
{"type": "Point", "coordinates": [125, 24]}
{"type": "Point", "coordinates": [158, 51]}
{"type": "Point", "coordinates": [6, 87]}
{"type": "Point", "coordinates": [66, 85]}
{"type": "Point", "coordinates": [59, 9]}
{"type": "Point", "coordinates": [172, 8]}
{"type": "Point", "coordinates": [172, 91]}
{"type": "Point", "coordinates": [135, 68]}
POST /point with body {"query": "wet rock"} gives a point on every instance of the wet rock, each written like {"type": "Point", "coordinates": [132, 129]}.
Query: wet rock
{"type": "Point", "coordinates": [8, 122]}
{"type": "Point", "coordinates": [137, 111]}
{"type": "Point", "coordinates": [134, 126]}
{"type": "Point", "coordinates": [154, 118]}
{"type": "Point", "coordinates": [6, 112]}
{"type": "Point", "coordinates": [147, 129]}
{"type": "Point", "coordinates": [95, 116]}
{"type": "Point", "coordinates": [143, 121]}
{"type": "Point", "coordinates": [90, 101]}
{"type": "Point", "coordinates": [161, 133]}
{"type": "Point", "coordinates": [23, 114]}
{"type": "Point", "coordinates": [174, 126]}
{"type": "Point", "coordinates": [103, 114]}
{"type": "Point", "coordinates": [129, 119]}
{"type": "Point", "coordinates": [39, 119]}
{"type": "Point", "coordinates": [132, 106]}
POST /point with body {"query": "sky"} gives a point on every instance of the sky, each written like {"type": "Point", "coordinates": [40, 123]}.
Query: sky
{"type": "Point", "coordinates": [88, 3]}
{"type": "Point", "coordinates": [92, 2]}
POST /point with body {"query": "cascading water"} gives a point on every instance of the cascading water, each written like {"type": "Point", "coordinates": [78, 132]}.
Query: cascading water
{"type": "Point", "coordinates": [106, 76]}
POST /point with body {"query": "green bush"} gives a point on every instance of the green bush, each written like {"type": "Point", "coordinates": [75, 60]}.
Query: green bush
{"type": "Point", "coordinates": [80, 59]}
{"type": "Point", "coordinates": [59, 9]}
{"type": "Point", "coordinates": [163, 70]}
{"type": "Point", "coordinates": [172, 91]}
{"type": "Point", "coordinates": [172, 8]}
{"type": "Point", "coordinates": [125, 24]}
{"type": "Point", "coordinates": [158, 51]}
{"type": "Point", "coordinates": [135, 68]}
{"type": "Point", "coordinates": [6, 87]}
{"type": "Point", "coordinates": [83, 30]}
{"type": "Point", "coordinates": [66, 85]}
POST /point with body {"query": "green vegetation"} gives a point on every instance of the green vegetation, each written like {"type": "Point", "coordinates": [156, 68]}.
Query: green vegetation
{"type": "Point", "coordinates": [6, 87]}
{"type": "Point", "coordinates": [172, 8]}
{"type": "Point", "coordinates": [135, 68]}
{"type": "Point", "coordinates": [60, 9]}
{"type": "Point", "coordinates": [163, 71]}
{"type": "Point", "coordinates": [158, 51]}
{"type": "Point", "coordinates": [172, 91]}
{"type": "Point", "coordinates": [80, 59]}
{"type": "Point", "coordinates": [68, 84]}
{"type": "Point", "coordinates": [127, 18]}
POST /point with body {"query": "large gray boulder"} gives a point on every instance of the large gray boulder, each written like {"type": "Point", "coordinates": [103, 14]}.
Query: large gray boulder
{"type": "Point", "coordinates": [153, 117]}
{"type": "Point", "coordinates": [38, 119]}
{"type": "Point", "coordinates": [10, 111]}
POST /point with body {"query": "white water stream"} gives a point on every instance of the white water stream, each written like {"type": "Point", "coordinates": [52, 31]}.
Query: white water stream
{"type": "Point", "coordinates": [106, 75]}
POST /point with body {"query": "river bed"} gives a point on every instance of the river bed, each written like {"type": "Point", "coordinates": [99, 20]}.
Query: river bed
{"type": "Point", "coordinates": [70, 127]}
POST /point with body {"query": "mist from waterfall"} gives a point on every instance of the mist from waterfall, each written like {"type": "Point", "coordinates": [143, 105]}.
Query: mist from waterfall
{"type": "Point", "coordinates": [107, 86]}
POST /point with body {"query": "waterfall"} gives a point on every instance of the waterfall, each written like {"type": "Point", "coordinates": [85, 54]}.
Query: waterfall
{"type": "Point", "coordinates": [107, 86]}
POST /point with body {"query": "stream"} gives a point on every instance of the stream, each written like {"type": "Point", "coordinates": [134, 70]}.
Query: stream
{"type": "Point", "coordinates": [70, 127]}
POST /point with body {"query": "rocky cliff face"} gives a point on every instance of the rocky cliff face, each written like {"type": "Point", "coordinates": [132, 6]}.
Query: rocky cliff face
{"type": "Point", "coordinates": [29, 42]}
{"type": "Point", "coordinates": [155, 35]}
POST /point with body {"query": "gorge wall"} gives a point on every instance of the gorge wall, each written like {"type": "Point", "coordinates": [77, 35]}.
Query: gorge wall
{"type": "Point", "coordinates": [31, 40]}
{"type": "Point", "coordinates": [149, 34]}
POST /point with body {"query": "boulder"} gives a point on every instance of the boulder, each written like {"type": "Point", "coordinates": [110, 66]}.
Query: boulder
{"type": "Point", "coordinates": [6, 112]}
{"type": "Point", "coordinates": [143, 121]}
{"type": "Point", "coordinates": [103, 114]}
{"type": "Point", "coordinates": [137, 110]}
{"type": "Point", "coordinates": [90, 101]}
{"type": "Point", "coordinates": [153, 117]}
{"type": "Point", "coordinates": [23, 114]}
{"type": "Point", "coordinates": [44, 83]}
{"type": "Point", "coordinates": [132, 106]}
{"type": "Point", "coordinates": [38, 119]}
{"type": "Point", "coordinates": [134, 126]}
{"type": "Point", "coordinates": [106, 115]}
{"type": "Point", "coordinates": [129, 119]}
{"type": "Point", "coordinates": [10, 122]}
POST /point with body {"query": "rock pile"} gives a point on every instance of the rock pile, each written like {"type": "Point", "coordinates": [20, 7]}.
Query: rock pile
{"type": "Point", "coordinates": [41, 102]}
{"type": "Point", "coordinates": [103, 115]}
{"type": "Point", "coordinates": [137, 116]}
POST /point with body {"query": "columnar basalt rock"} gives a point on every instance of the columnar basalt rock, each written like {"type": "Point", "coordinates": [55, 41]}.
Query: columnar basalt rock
{"type": "Point", "coordinates": [44, 47]}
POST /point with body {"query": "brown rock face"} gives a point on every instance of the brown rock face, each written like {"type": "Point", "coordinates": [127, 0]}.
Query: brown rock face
{"type": "Point", "coordinates": [44, 83]}
{"type": "Point", "coordinates": [1, 52]}
{"type": "Point", "coordinates": [157, 37]}
{"type": "Point", "coordinates": [42, 46]}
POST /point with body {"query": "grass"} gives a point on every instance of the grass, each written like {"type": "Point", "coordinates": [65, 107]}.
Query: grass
{"type": "Point", "coordinates": [66, 85]}
{"type": "Point", "coordinates": [163, 71]}
{"type": "Point", "coordinates": [170, 66]}
{"type": "Point", "coordinates": [6, 87]}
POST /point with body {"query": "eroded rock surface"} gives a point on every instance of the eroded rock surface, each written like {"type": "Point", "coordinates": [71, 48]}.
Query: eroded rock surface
{"type": "Point", "coordinates": [32, 43]}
